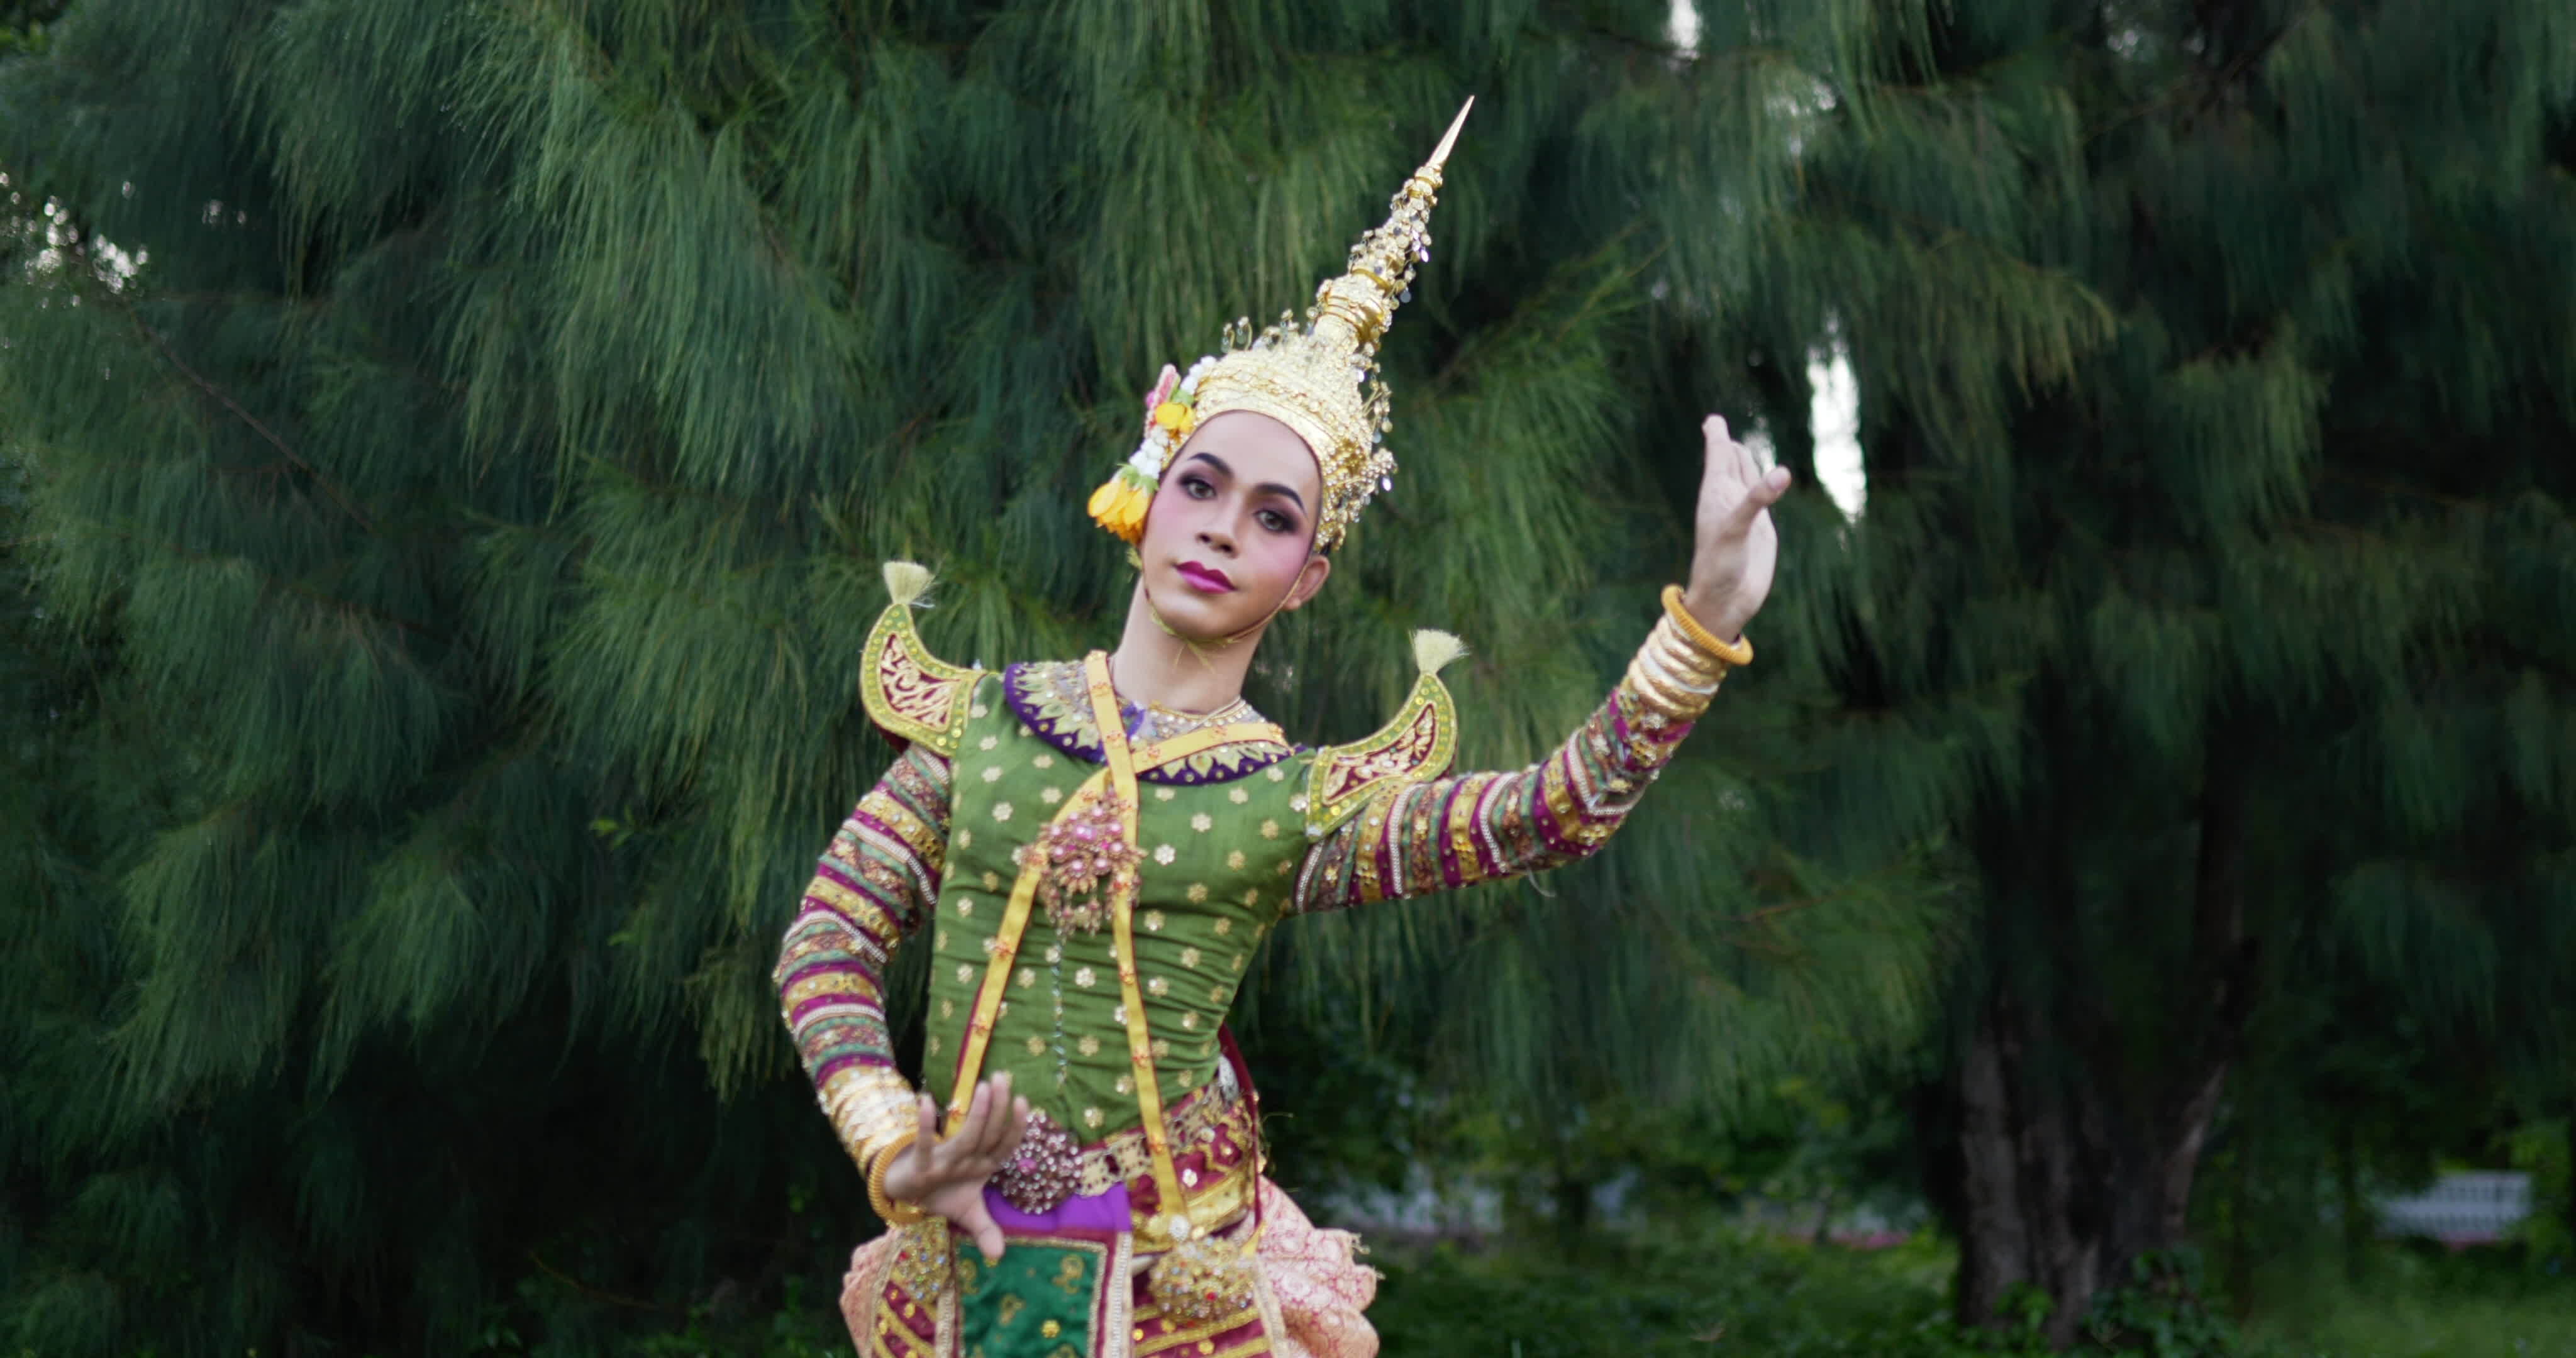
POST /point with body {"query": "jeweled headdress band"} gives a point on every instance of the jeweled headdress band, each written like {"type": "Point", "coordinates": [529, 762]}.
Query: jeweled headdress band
{"type": "Point", "coordinates": [1319, 378]}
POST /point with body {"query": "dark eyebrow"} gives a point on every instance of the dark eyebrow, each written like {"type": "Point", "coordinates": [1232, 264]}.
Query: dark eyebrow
{"type": "Point", "coordinates": [1271, 487]}
{"type": "Point", "coordinates": [1277, 489]}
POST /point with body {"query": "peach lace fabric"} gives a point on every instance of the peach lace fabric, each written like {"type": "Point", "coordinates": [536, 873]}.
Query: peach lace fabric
{"type": "Point", "coordinates": [1320, 1287]}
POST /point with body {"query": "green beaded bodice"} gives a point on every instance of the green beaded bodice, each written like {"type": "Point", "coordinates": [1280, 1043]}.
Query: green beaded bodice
{"type": "Point", "coordinates": [1222, 837]}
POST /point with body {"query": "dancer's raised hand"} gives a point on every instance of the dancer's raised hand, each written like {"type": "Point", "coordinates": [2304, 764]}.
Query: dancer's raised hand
{"type": "Point", "coordinates": [1736, 547]}
{"type": "Point", "coordinates": [947, 1177]}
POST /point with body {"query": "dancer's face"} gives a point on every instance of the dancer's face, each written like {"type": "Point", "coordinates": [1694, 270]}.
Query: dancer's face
{"type": "Point", "coordinates": [1230, 535]}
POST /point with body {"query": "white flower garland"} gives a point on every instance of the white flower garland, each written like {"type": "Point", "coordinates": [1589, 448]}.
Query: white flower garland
{"type": "Point", "coordinates": [1154, 452]}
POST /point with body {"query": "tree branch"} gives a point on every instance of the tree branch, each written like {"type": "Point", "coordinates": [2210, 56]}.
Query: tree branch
{"type": "Point", "coordinates": [225, 399]}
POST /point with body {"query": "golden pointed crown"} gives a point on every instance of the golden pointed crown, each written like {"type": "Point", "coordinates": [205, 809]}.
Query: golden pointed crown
{"type": "Point", "coordinates": [1319, 378]}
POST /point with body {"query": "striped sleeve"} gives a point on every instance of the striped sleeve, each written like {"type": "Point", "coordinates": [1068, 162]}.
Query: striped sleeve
{"type": "Point", "coordinates": [872, 887]}
{"type": "Point", "coordinates": [1441, 833]}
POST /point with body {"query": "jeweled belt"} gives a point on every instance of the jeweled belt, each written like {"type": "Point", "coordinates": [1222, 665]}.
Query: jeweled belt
{"type": "Point", "coordinates": [1050, 1166]}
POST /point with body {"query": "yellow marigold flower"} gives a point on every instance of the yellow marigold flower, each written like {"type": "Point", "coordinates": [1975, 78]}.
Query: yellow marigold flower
{"type": "Point", "coordinates": [1119, 506]}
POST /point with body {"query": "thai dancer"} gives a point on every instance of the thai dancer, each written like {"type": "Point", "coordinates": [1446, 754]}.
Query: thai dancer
{"type": "Point", "coordinates": [1093, 849]}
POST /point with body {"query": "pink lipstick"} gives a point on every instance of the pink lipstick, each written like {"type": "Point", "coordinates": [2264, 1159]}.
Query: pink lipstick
{"type": "Point", "coordinates": [1206, 578]}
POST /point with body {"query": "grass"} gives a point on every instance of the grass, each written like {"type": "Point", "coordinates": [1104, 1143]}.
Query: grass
{"type": "Point", "coordinates": [1708, 1293]}
{"type": "Point", "coordinates": [2413, 1304]}
{"type": "Point", "coordinates": [2407, 1327]}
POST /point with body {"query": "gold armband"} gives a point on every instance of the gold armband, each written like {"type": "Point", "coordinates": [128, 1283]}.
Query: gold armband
{"type": "Point", "coordinates": [888, 1210]}
{"type": "Point", "coordinates": [1738, 653]}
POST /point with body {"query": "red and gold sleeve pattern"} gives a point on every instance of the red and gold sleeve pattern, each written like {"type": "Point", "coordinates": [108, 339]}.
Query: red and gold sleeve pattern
{"type": "Point", "coordinates": [873, 887]}
{"type": "Point", "coordinates": [1436, 834]}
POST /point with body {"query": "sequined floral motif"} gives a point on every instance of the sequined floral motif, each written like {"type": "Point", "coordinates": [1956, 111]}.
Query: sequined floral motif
{"type": "Point", "coordinates": [1043, 1171]}
{"type": "Point", "coordinates": [1086, 860]}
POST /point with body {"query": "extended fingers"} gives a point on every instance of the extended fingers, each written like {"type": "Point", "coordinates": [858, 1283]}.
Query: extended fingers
{"type": "Point", "coordinates": [969, 1131]}
{"type": "Point", "coordinates": [927, 1134]}
{"type": "Point", "coordinates": [1721, 448]}
{"type": "Point", "coordinates": [1010, 1123]}
{"type": "Point", "coordinates": [1000, 1131]}
{"type": "Point", "coordinates": [977, 1140]}
{"type": "Point", "coordinates": [1762, 487]}
{"type": "Point", "coordinates": [990, 1129]}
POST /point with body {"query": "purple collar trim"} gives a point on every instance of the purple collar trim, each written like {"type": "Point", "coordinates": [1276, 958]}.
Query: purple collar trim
{"type": "Point", "coordinates": [1075, 739]}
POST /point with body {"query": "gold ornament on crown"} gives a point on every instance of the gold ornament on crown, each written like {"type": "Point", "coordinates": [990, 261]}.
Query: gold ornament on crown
{"type": "Point", "coordinates": [1319, 378]}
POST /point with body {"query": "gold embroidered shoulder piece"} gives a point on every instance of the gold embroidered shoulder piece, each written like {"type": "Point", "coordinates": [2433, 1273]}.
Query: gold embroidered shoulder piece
{"type": "Point", "coordinates": [912, 694]}
{"type": "Point", "coordinates": [1416, 745]}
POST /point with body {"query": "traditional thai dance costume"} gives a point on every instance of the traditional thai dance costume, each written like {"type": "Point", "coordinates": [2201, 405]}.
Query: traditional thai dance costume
{"type": "Point", "coordinates": [1094, 876]}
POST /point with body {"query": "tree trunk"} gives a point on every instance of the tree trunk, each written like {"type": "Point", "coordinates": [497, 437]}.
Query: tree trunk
{"type": "Point", "coordinates": [2068, 1172]}
{"type": "Point", "coordinates": [2062, 1189]}
{"type": "Point", "coordinates": [2034, 1210]}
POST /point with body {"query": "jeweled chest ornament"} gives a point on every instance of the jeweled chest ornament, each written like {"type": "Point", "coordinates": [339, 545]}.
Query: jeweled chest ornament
{"type": "Point", "coordinates": [1044, 1170]}
{"type": "Point", "coordinates": [1085, 861]}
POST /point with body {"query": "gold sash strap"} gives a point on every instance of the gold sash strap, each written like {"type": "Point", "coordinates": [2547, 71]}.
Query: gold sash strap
{"type": "Point", "coordinates": [1174, 1220]}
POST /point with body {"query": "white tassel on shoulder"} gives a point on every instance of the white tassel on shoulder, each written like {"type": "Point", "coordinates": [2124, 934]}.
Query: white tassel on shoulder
{"type": "Point", "coordinates": [1434, 649]}
{"type": "Point", "coordinates": [906, 582]}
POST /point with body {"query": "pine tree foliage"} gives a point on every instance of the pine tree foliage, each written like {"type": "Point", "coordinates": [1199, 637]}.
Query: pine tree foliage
{"type": "Point", "coordinates": [2213, 595]}
{"type": "Point", "coordinates": [479, 491]}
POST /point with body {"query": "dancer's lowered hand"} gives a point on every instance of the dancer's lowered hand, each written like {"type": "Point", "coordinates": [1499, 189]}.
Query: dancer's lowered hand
{"type": "Point", "coordinates": [946, 1177]}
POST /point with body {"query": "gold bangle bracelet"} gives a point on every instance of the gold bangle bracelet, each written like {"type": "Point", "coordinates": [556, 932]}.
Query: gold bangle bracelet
{"type": "Point", "coordinates": [888, 1210]}
{"type": "Point", "coordinates": [1681, 657]}
{"type": "Point", "coordinates": [1670, 659]}
{"type": "Point", "coordinates": [872, 1139]}
{"type": "Point", "coordinates": [870, 1110]}
{"type": "Point", "coordinates": [1661, 693]}
{"type": "Point", "coordinates": [1739, 653]}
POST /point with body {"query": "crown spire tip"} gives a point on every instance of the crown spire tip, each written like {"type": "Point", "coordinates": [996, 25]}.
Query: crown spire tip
{"type": "Point", "coordinates": [1450, 138]}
